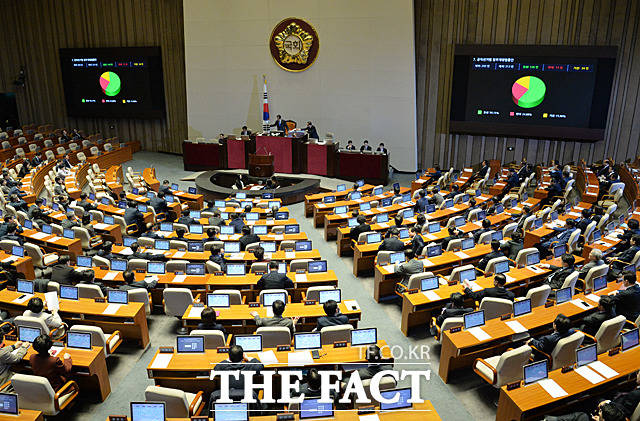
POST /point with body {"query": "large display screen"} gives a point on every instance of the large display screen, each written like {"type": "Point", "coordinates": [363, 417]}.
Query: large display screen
{"type": "Point", "coordinates": [113, 82]}
{"type": "Point", "coordinates": [532, 91]}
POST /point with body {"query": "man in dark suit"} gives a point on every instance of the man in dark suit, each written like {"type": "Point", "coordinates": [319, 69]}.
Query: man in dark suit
{"type": "Point", "coordinates": [495, 252]}
{"type": "Point", "coordinates": [417, 242]}
{"type": "Point", "coordinates": [279, 124]}
{"type": "Point", "coordinates": [84, 203]}
{"type": "Point", "coordinates": [186, 219]}
{"type": "Point", "coordinates": [633, 228]}
{"type": "Point", "coordinates": [360, 228]}
{"type": "Point", "coordinates": [561, 329]}
{"type": "Point", "coordinates": [454, 308]}
{"type": "Point", "coordinates": [237, 361]}
{"type": "Point", "coordinates": [217, 258]}
{"type": "Point", "coordinates": [628, 401]}
{"type": "Point", "coordinates": [381, 149]}
{"type": "Point", "coordinates": [624, 257]}
{"type": "Point", "coordinates": [216, 219]}
{"type": "Point", "coordinates": [527, 212]}
{"type": "Point", "coordinates": [32, 209]}
{"type": "Point", "coordinates": [374, 365]}
{"type": "Point", "coordinates": [12, 234]}
{"type": "Point", "coordinates": [365, 146]}
{"type": "Point", "coordinates": [392, 243]}
{"type": "Point", "coordinates": [513, 180]}
{"type": "Point", "coordinates": [237, 223]}
{"type": "Point", "coordinates": [165, 187]}
{"type": "Point", "coordinates": [63, 273]}
{"type": "Point", "coordinates": [411, 266]}
{"type": "Point", "coordinates": [559, 239]}
{"type": "Point", "coordinates": [484, 169]}
{"type": "Point", "coordinates": [422, 202]}
{"type": "Point", "coordinates": [556, 279]}
{"type": "Point", "coordinates": [273, 279]}
{"type": "Point", "coordinates": [497, 291]}
{"type": "Point", "coordinates": [245, 131]}
{"type": "Point", "coordinates": [585, 220]}
{"type": "Point", "coordinates": [71, 221]}
{"type": "Point", "coordinates": [37, 159]}
{"type": "Point", "coordinates": [133, 216]}
{"type": "Point", "coordinates": [277, 320]}
{"type": "Point", "coordinates": [138, 254]}
{"type": "Point", "coordinates": [247, 237]}
{"type": "Point", "coordinates": [486, 227]}
{"type": "Point", "coordinates": [208, 320]}
{"type": "Point", "coordinates": [333, 316]}
{"type": "Point", "coordinates": [437, 197]}
{"type": "Point", "coordinates": [350, 146]}
{"type": "Point", "coordinates": [627, 300]}
{"type": "Point", "coordinates": [592, 322]}
{"type": "Point", "coordinates": [131, 283]}
{"type": "Point", "coordinates": [159, 204]}
{"type": "Point", "coordinates": [311, 130]}
{"type": "Point", "coordinates": [515, 244]}
{"type": "Point", "coordinates": [65, 161]}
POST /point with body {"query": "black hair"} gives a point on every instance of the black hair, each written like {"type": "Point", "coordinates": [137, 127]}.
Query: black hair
{"type": "Point", "coordinates": [258, 252]}
{"type": "Point", "coordinates": [273, 264]}
{"type": "Point", "coordinates": [208, 315]}
{"type": "Point", "coordinates": [486, 223]}
{"type": "Point", "coordinates": [64, 259]}
{"type": "Point", "coordinates": [633, 224]}
{"type": "Point", "coordinates": [569, 259]}
{"type": "Point", "coordinates": [330, 307]}
{"type": "Point", "coordinates": [42, 344]}
{"type": "Point", "coordinates": [129, 276]}
{"type": "Point", "coordinates": [500, 279]}
{"type": "Point", "coordinates": [235, 353]}
{"type": "Point", "coordinates": [361, 219]}
{"type": "Point", "coordinates": [246, 229]}
{"type": "Point", "coordinates": [562, 323]}
{"type": "Point", "coordinates": [278, 307]}
{"type": "Point", "coordinates": [630, 277]}
{"type": "Point", "coordinates": [495, 245]}
{"type": "Point", "coordinates": [457, 299]}
{"type": "Point", "coordinates": [35, 305]}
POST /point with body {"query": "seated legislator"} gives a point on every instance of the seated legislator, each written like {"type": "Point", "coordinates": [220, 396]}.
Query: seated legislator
{"type": "Point", "coordinates": [606, 311]}
{"type": "Point", "coordinates": [186, 219]}
{"type": "Point", "coordinates": [350, 146]}
{"type": "Point", "coordinates": [556, 279]}
{"type": "Point", "coordinates": [381, 149]}
{"type": "Point", "coordinates": [63, 273]}
{"type": "Point", "coordinates": [374, 356]}
{"type": "Point", "coordinates": [515, 244]}
{"type": "Point", "coordinates": [606, 411]}
{"type": "Point", "coordinates": [561, 329]}
{"type": "Point", "coordinates": [595, 259]}
{"type": "Point", "coordinates": [237, 361]}
{"type": "Point", "coordinates": [159, 204]}
{"type": "Point", "coordinates": [365, 146]}
{"type": "Point", "coordinates": [422, 202]}
{"type": "Point", "coordinates": [131, 283]}
{"type": "Point", "coordinates": [245, 131]}
{"type": "Point", "coordinates": [360, 228]}
{"type": "Point", "coordinates": [311, 387]}
{"type": "Point", "coordinates": [311, 131]}
{"type": "Point", "coordinates": [133, 216]}
{"type": "Point", "coordinates": [247, 238]}
{"type": "Point", "coordinates": [495, 253]}
{"type": "Point", "coordinates": [497, 291]}
{"type": "Point", "coordinates": [139, 254]}
{"type": "Point", "coordinates": [237, 223]}
{"type": "Point", "coordinates": [54, 369]}
{"type": "Point", "coordinates": [208, 320]}
{"type": "Point", "coordinates": [417, 243]}
{"type": "Point", "coordinates": [454, 308]}
{"type": "Point", "coordinates": [410, 267]}
{"type": "Point", "coordinates": [333, 316]}
{"type": "Point", "coordinates": [217, 258]}
{"type": "Point", "coordinates": [627, 298]}
{"type": "Point", "coordinates": [392, 243]}
{"type": "Point", "coordinates": [624, 257]}
{"type": "Point", "coordinates": [486, 227]}
{"type": "Point", "coordinates": [278, 307]}
{"type": "Point", "coordinates": [559, 239]}
{"type": "Point", "coordinates": [10, 355]}
{"type": "Point", "coordinates": [273, 279]}
{"type": "Point", "coordinates": [35, 308]}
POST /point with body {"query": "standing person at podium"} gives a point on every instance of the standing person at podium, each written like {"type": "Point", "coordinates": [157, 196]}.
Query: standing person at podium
{"type": "Point", "coordinates": [280, 124]}
{"type": "Point", "coordinates": [245, 131]}
{"type": "Point", "coordinates": [365, 146]}
{"type": "Point", "coordinates": [311, 130]}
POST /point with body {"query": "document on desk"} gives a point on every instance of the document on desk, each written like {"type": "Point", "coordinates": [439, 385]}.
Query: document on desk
{"type": "Point", "coordinates": [236, 256]}
{"type": "Point", "coordinates": [51, 298]}
{"type": "Point", "coordinates": [195, 312]}
{"type": "Point", "coordinates": [22, 299]}
{"type": "Point", "coordinates": [110, 276]}
{"type": "Point", "coordinates": [161, 361]}
{"type": "Point", "coordinates": [552, 388]}
{"type": "Point", "coordinates": [9, 259]}
{"type": "Point", "coordinates": [112, 309]}
{"type": "Point", "coordinates": [581, 304]}
{"type": "Point", "coordinates": [384, 225]}
{"type": "Point", "coordinates": [299, 358]}
{"type": "Point", "coordinates": [179, 278]}
{"type": "Point", "coordinates": [603, 369]}
{"type": "Point", "coordinates": [39, 235]}
{"type": "Point", "coordinates": [461, 254]}
{"type": "Point", "coordinates": [179, 254]}
{"type": "Point", "coordinates": [536, 269]}
{"type": "Point", "coordinates": [431, 295]}
{"type": "Point", "coordinates": [589, 374]}
{"type": "Point", "coordinates": [101, 226]}
{"type": "Point", "coordinates": [126, 251]}
{"type": "Point", "coordinates": [289, 254]}
{"type": "Point", "coordinates": [301, 277]}
{"type": "Point", "coordinates": [430, 237]}
{"type": "Point", "coordinates": [427, 263]}
{"type": "Point", "coordinates": [509, 278]}
{"type": "Point", "coordinates": [574, 214]}
{"type": "Point", "coordinates": [369, 417]}
{"type": "Point", "coordinates": [480, 334]}
{"type": "Point", "coordinates": [54, 238]}
{"type": "Point", "coordinates": [351, 304]}
{"type": "Point", "coordinates": [269, 310]}
{"type": "Point", "coordinates": [516, 326]}
{"type": "Point", "coordinates": [268, 357]}
{"type": "Point", "coordinates": [593, 297]}
{"type": "Point", "coordinates": [389, 268]}
{"type": "Point", "coordinates": [474, 286]}
{"type": "Point", "coordinates": [268, 255]}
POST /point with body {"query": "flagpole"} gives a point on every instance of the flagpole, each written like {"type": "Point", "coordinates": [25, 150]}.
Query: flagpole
{"type": "Point", "coordinates": [265, 107]}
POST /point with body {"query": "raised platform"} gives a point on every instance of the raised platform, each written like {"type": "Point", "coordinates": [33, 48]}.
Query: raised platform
{"type": "Point", "coordinates": [218, 185]}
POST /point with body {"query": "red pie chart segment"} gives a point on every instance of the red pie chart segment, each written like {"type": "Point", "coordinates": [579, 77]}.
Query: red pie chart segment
{"type": "Point", "coordinates": [104, 82]}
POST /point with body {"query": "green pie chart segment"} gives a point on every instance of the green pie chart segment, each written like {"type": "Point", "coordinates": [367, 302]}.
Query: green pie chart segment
{"type": "Point", "coordinates": [110, 83]}
{"type": "Point", "coordinates": [528, 91]}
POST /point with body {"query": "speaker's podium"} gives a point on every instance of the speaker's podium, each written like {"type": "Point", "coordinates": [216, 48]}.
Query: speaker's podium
{"type": "Point", "coordinates": [260, 165]}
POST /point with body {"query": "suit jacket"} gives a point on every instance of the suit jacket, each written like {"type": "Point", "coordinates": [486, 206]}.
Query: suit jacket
{"type": "Point", "coordinates": [356, 231]}
{"type": "Point", "coordinates": [54, 369]}
{"type": "Point", "coordinates": [371, 370]}
{"type": "Point", "coordinates": [391, 244]}
{"type": "Point", "coordinates": [493, 292]}
{"type": "Point", "coordinates": [585, 269]}
{"type": "Point", "coordinates": [514, 248]}
{"type": "Point", "coordinates": [629, 254]}
{"type": "Point", "coordinates": [417, 244]}
{"type": "Point", "coordinates": [274, 280]}
{"type": "Point", "coordinates": [483, 171]}
{"type": "Point", "coordinates": [215, 326]}
{"type": "Point", "coordinates": [409, 268]}
{"type": "Point", "coordinates": [165, 189]}
{"type": "Point", "coordinates": [275, 321]}
{"type": "Point", "coordinates": [133, 216]}
{"type": "Point", "coordinates": [219, 260]}
{"type": "Point", "coordinates": [9, 358]}
{"type": "Point", "coordinates": [159, 205]}
{"type": "Point", "coordinates": [556, 279]}
{"type": "Point", "coordinates": [592, 322]}
{"type": "Point", "coordinates": [513, 181]}
{"type": "Point", "coordinates": [421, 204]}
{"type": "Point", "coordinates": [548, 342]}
{"type": "Point", "coordinates": [237, 225]}
{"type": "Point", "coordinates": [186, 220]}
{"type": "Point", "coordinates": [313, 133]}
{"type": "Point", "coordinates": [86, 205]}
{"type": "Point", "coordinates": [628, 401]}
{"type": "Point", "coordinates": [478, 233]}
{"type": "Point", "coordinates": [482, 264]}
{"type": "Point", "coordinates": [584, 223]}
{"type": "Point", "coordinates": [336, 320]}
{"type": "Point", "coordinates": [65, 275]}
{"type": "Point", "coordinates": [238, 384]}
{"type": "Point", "coordinates": [245, 240]}
{"type": "Point", "coordinates": [628, 302]}
{"type": "Point", "coordinates": [450, 311]}
{"type": "Point", "coordinates": [216, 220]}
{"type": "Point", "coordinates": [67, 223]}
{"type": "Point", "coordinates": [139, 284]}
{"type": "Point", "coordinates": [365, 148]}
{"type": "Point", "coordinates": [438, 198]}
{"type": "Point", "coordinates": [13, 237]}
{"type": "Point", "coordinates": [59, 190]}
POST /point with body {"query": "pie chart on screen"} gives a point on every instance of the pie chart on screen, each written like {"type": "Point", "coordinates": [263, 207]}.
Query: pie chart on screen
{"type": "Point", "coordinates": [110, 83]}
{"type": "Point", "coordinates": [528, 91]}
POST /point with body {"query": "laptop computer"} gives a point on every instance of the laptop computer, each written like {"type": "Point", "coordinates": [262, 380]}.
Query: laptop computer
{"type": "Point", "coordinates": [249, 343]}
{"type": "Point", "coordinates": [189, 344]}
{"type": "Point", "coordinates": [148, 411]}
{"type": "Point", "coordinates": [361, 337]}
{"type": "Point", "coordinates": [79, 340]}
{"type": "Point", "coordinates": [304, 341]}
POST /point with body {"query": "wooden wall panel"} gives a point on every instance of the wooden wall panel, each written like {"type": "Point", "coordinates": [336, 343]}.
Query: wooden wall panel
{"type": "Point", "coordinates": [34, 30]}
{"type": "Point", "coordinates": [440, 24]}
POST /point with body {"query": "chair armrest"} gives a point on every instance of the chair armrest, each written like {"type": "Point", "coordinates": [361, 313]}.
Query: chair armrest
{"type": "Point", "coordinates": [192, 404]}
{"type": "Point", "coordinates": [544, 354]}
{"type": "Point", "coordinates": [229, 339]}
{"type": "Point", "coordinates": [13, 328]}
{"type": "Point", "coordinates": [244, 299]}
{"type": "Point", "coordinates": [4, 386]}
{"type": "Point", "coordinates": [115, 332]}
{"type": "Point", "coordinates": [69, 385]}
{"type": "Point", "coordinates": [51, 254]}
{"type": "Point", "coordinates": [303, 294]}
{"type": "Point", "coordinates": [631, 324]}
{"type": "Point", "coordinates": [591, 338]}
{"type": "Point", "coordinates": [486, 364]}
{"type": "Point", "coordinates": [53, 332]}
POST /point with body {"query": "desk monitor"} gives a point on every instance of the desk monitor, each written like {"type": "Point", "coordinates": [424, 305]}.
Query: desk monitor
{"type": "Point", "coordinates": [174, 186]}
{"type": "Point", "coordinates": [433, 227]}
{"type": "Point", "coordinates": [273, 204]}
{"type": "Point", "coordinates": [47, 229]}
{"type": "Point", "coordinates": [533, 259]}
{"type": "Point", "coordinates": [218, 300]}
{"type": "Point", "coordinates": [231, 247]}
{"type": "Point", "coordinates": [374, 237]}
{"type": "Point", "coordinates": [282, 267]}
{"type": "Point", "coordinates": [317, 266]}
{"type": "Point", "coordinates": [25, 287]}
{"type": "Point", "coordinates": [537, 223]}
{"type": "Point", "coordinates": [403, 233]}
{"type": "Point", "coordinates": [401, 397]}
{"type": "Point", "coordinates": [397, 257]}
{"type": "Point", "coordinates": [192, 190]}
{"type": "Point", "coordinates": [474, 319]}
{"type": "Point", "coordinates": [195, 269]}
{"type": "Point", "coordinates": [68, 292]}
{"type": "Point", "coordinates": [514, 202]}
{"type": "Point", "coordinates": [481, 215]}
{"type": "Point", "coordinates": [341, 187]}
{"type": "Point", "coordinates": [122, 204]}
{"type": "Point", "coordinates": [56, 207]}
{"type": "Point", "coordinates": [427, 284]}
{"type": "Point", "coordinates": [109, 220]}
{"type": "Point", "coordinates": [468, 275]}
{"type": "Point", "coordinates": [447, 203]}
{"type": "Point", "coordinates": [281, 216]}
{"type": "Point", "coordinates": [166, 226]}
{"type": "Point", "coordinates": [302, 341]}
{"type": "Point", "coordinates": [269, 297]}
{"type": "Point", "coordinates": [535, 372]}
{"type": "Point", "coordinates": [459, 221]}
{"type": "Point", "coordinates": [629, 339]}
{"type": "Point", "coordinates": [303, 245]}
{"type": "Point", "coordinates": [84, 261]}
{"type": "Point", "coordinates": [195, 246]}
{"type": "Point", "coordinates": [329, 294]}
{"type": "Point", "coordinates": [359, 183]}
{"type": "Point", "coordinates": [190, 344]}
{"type": "Point", "coordinates": [226, 229]}
{"type": "Point", "coordinates": [235, 269]}
{"type": "Point", "coordinates": [156, 268]}
{"type": "Point", "coordinates": [150, 195]}
{"type": "Point", "coordinates": [268, 246]}
{"type": "Point", "coordinates": [563, 295]}
{"type": "Point", "coordinates": [225, 216]}
{"type": "Point", "coordinates": [559, 250]}
{"type": "Point", "coordinates": [467, 243]}
{"type": "Point", "coordinates": [361, 337]}
{"type": "Point", "coordinates": [365, 206]}
{"type": "Point", "coordinates": [249, 343]}
{"type": "Point", "coordinates": [599, 283]}
{"type": "Point", "coordinates": [434, 250]}
{"type": "Point", "coordinates": [313, 408]}
{"type": "Point", "coordinates": [499, 208]}
{"type": "Point", "coordinates": [28, 334]}
{"type": "Point", "coordinates": [496, 235]}
{"type": "Point", "coordinates": [386, 202]}
{"type": "Point", "coordinates": [521, 307]}
{"type": "Point", "coordinates": [292, 229]}
{"type": "Point", "coordinates": [104, 201]}
{"type": "Point", "coordinates": [219, 203]}
{"type": "Point", "coordinates": [406, 197]}
{"type": "Point", "coordinates": [79, 340]}
{"type": "Point", "coordinates": [9, 403]}
{"type": "Point", "coordinates": [629, 268]}
{"type": "Point", "coordinates": [27, 224]}
{"type": "Point", "coordinates": [259, 229]}
{"type": "Point", "coordinates": [231, 411]}
{"type": "Point", "coordinates": [355, 195]}
{"type": "Point", "coordinates": [169, 198]}
{"type": "Point", "coordinates": [115, 296]}
{"type": "Point", "coordinates": [241, 195]}
{"type": "Point", "coordinates": [195, 229]}
{"type": "Point", "coordinates": [596, 236]}
{"type": "Point", "coordinates": [381, 218]}
{"type": "Point", "coordinates": [161, 245]}
{"type": "Point", "coordinates": [68, 233]}
{"type": "Point", "coordinates": [377, 191]}
{"type": "Point", "coordinates": [142, 208]}
{"type": "Point", "coordinates": [586, 355]}
{"type": "Point", "coordinates": [501, 267]}
{"type": "Point", "coordinates": [553, 215]}
{"type": "Point", "coordinates": [524, 196]}
{"type": "Point", "coordinates": [245, 204]}
{"type": "Point", "coordinates": [147, 411]}
{"type": "Point", "coordinates": [352, 222]}
{"type": "Point", "coordinates": [118, 264]}
{"type": "Point", "coordinates": [408, 213]}
{"type": "Point", "coordinates": [252, 216]}
{"type": "Point", "coordinates": [339, 210]}
{"type": "Point", "coordinates": [127, 241]}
